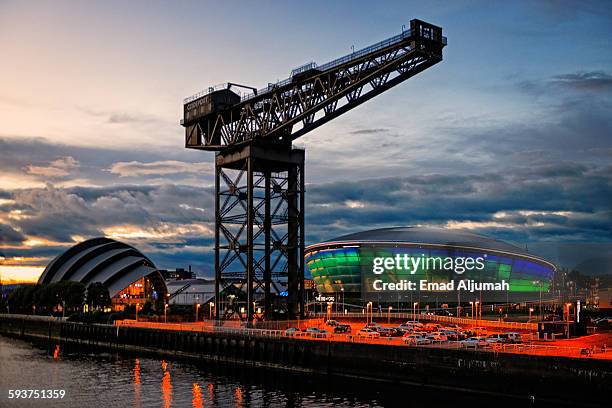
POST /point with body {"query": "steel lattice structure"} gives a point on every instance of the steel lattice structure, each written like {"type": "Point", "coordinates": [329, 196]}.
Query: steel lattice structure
{"type": "Point", "coordinates": [259, 216]}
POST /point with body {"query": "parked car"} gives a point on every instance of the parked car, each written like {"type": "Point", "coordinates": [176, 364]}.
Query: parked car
{"type": "Point", "coordinates": [513, 337]}
{"type": "Point", "coordinates": [292, 331]}
{"type": "Point", "coordinates": [480, 331]}
{"type": "Point", "coordinates": [431, 327]}
{"type": "Point", "coordinates": [405, 328]}
{"type": "Point", "coordinates": [415, 324]}
{"type": "Point", "coordinates": [453, 335]}
{"type": "Point", "coordinates": [497, 338]}
{"type": "Point", "coordinates": [332, 323]}
{"type": "Point", "coordinates": [416, 339]}
{"type": "Point", "coordinates": [437, 336]}
{"type": "Point", "coordinates": [474, 342]}
{"type": "Point", "coordinates": [368, 333]}
{"type": "Point", "coordinates": [342, 328]}
{"type": "Point", "coordinates": [318, 333]}
{"type": "Point", "coordinates": [373, 326]}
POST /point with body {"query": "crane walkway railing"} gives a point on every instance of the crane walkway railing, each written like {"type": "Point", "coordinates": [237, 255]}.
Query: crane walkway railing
{"type": "Point", "coordinates": [325, 67]}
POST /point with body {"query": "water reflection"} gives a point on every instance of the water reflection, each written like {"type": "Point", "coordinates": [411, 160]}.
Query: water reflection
{"type": "Point", "coordinates": [197, 396]}
{"type": "Point", "coordinates": [122, 380]}
{"type": "Point", "coordinates": [137, 400]}
{"type": "Point", "coordinates": [166, 385]}
{"type": "Point", "coordinates": [238, 397]}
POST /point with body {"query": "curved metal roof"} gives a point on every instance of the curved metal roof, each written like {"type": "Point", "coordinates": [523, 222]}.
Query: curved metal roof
{"type": "Point", "coordinates": [429, 236]}
{"type": "Point", "coordinates": [105, 260]}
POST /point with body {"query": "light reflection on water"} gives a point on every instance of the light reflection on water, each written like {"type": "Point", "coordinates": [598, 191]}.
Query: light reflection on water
{"type": "Point", "coordinates": [116, 380]}
{"type": "Point", "coordinates": [120, 380]}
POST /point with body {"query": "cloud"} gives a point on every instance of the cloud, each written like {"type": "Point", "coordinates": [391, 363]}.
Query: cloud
{"type": "Point", "coordinates": [369, 131]}
{"type": "Point", "coordinates": [61, 167]}
{"type": "Point", "coordinates": [587, 81]}
{"type": "Point", "coordinates": [9, 236]}
{"type": "Point", "coordinates": [165, 167]}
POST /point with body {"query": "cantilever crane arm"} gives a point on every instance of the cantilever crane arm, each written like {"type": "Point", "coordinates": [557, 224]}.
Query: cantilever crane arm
{"type": "Point", "coordinates": [291, 108]}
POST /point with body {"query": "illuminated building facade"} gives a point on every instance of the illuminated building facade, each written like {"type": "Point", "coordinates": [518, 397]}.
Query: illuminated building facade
{"type": "Point", "coordinates": [131, 277]}
{"type": "Point", "coordinates": [345, 264]}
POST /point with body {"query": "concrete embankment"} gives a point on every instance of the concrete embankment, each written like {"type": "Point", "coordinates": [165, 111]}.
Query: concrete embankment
{"type": "Point", "coordinates": [573, 381]}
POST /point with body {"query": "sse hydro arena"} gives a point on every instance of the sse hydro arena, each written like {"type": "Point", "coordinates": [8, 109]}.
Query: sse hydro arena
{"type": "Point", "coordinates": [346, 265]}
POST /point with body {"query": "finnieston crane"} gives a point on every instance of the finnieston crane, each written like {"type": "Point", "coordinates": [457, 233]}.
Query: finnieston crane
{"type": "Point", "coordinates": [259, 175]}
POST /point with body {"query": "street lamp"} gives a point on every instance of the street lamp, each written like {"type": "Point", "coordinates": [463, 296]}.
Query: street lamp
{"type": "Point", "coordinates": [197, 306]}
{"type": "Point", "coordinates": [478, 313]}
{"type": "Point", "coordinates": [414, 305]}
{"type": "Point", "coordinates": [342, 291]}
{"type": "Point", "coordinates": [530, 312]}
{"type": "Point", "coordinates": [210, 308]}
{"type": "Point", "coordinates": [472, 312]}
{"type": "Point", "coordinates": [368, 312]}
{"type": "Point", "coordinates": [166, 313]}
{"type": "Point", "coordinates": [389, 315]}
{"type": "Point", "coordinates": [536, 282]}
{"type": "Point", "coordinates": [137, 306]}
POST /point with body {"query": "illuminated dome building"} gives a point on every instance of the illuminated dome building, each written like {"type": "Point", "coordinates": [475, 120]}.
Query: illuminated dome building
{"type": "Point", "coordinates": [346, 264]}
{"type": "Point", "coordinates": [129, 275]}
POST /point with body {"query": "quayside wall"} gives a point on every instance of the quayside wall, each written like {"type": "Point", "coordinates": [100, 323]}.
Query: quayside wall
{"type": "Point", "coordinates": [573, 381]}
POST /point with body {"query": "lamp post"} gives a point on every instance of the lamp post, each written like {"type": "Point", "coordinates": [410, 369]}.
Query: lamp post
{"type": "Point", "coordinates": [414, 305]}
{"type": "Point", "coordinates": [369, 313]}
{"type": "Point", "coordinates": [477, 303]}
{"type": "Point", "coordinates": [530, 312]}
{"type": "Point", "coordinates": [389, 315]}
{"type": "Point", "coordinates": [165, 313]}
{"type": "Point", "coordinates": [342, 291]}
{"type": "Point", "coordinates": [536, 282]}
{"type": "Point", "coordinates": [210, 308]}
{"type": "Point", "coordinates": [472, 310]}
{"type": "Point", "coordinates": [137, 306]}
{"type": "Point", "coordinates": [197, 306]}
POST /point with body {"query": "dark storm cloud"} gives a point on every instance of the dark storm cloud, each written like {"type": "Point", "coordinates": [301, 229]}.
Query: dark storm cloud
{"type": "Point", "coordinates": [58, 214]}
{"type": "Point", "coordinates": [9, 236]}
{"type": "Point", "coordinates": [562, 201]}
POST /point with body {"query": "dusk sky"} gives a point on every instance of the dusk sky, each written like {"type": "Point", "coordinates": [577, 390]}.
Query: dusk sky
{"type": "Point", "coordinates": [510, 136]}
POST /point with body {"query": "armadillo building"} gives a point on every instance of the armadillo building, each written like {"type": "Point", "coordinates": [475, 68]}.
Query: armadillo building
{"type": "Point", "coordinates": [353, 265]}
{"type": "Point", "coordinates": [130, 276]}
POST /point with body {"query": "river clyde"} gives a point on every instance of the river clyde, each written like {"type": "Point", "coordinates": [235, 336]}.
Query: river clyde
{"type": "Point", "coordinates": [130, 380]}
{"type": "Point", "coordinates": [121, 380]}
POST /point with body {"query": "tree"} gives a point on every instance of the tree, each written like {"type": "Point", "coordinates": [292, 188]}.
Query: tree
{"type": "Point", "coordinates": [98, 296]}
